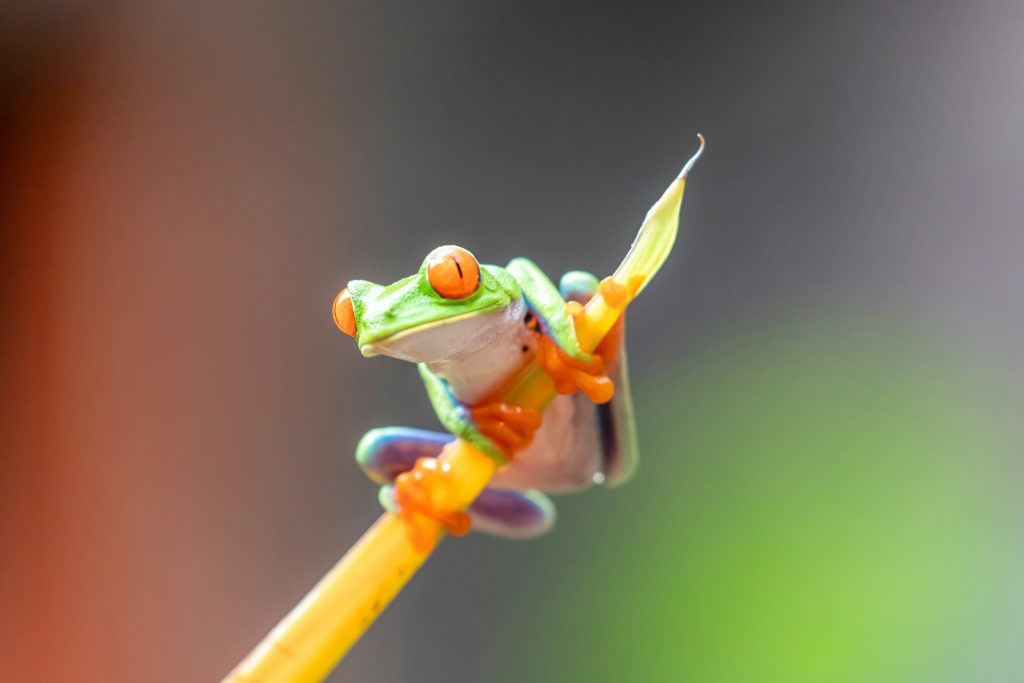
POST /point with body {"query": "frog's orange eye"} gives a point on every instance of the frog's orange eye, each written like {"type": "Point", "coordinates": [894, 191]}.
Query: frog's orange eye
{"type": "Point", "coordinates": [344, 314]}
{"type": "Point", "coordinates": [453, 272]}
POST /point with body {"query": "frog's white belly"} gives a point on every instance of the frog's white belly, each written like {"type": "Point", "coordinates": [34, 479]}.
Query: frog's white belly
{"type": "Point", "coordinates": [501, 346]}
{"type": "Point", "coordinates": [565, 454]}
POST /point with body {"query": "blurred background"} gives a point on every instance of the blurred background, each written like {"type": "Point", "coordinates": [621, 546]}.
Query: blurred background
{"type": "Point", "coordinates": [827, 371]}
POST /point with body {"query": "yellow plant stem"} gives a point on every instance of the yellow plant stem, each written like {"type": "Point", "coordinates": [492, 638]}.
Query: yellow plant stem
{"type": "Point", "coordinates": [306, 645]}
{"type": "Point", "coordinates": [316, 634]}
{"type": "Point", "coordinates": [310, 640]}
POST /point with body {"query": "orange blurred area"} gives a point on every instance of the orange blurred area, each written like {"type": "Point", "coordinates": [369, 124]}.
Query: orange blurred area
{"type": "Point", "coordinates": [155, 183]}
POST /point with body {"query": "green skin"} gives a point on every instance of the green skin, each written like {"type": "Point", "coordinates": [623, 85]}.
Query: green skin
{"type": "Point", "coordinates": [450, 340]}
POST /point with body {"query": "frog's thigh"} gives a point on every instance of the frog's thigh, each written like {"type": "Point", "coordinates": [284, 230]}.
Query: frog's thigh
{"type": "Point", "coordinates": [387, 452]}
{"type": "Point", "coordinates": [616, 425]}
{"type": "Point", "coordinates": [512, 514]}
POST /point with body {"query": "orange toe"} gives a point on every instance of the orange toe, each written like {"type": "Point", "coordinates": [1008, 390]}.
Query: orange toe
{"type": "Point", "coordinates": [614, 294]}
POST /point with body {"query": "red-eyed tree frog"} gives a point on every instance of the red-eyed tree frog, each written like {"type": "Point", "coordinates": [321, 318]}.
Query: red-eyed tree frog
{"type": "Point", "coordinates": [471, 329]}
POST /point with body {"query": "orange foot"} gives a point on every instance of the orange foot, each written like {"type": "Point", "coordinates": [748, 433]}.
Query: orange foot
{"type": "Point", "coordinates": [419, 494]}
{"type": "Point", "coordinates": [571, 375]}
{"type": "Point", "coordinates": [510, 427]}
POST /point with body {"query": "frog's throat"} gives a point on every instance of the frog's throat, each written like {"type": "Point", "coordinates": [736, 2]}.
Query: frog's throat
{"type": "Point", "coordinates": [377, 346]}
{"type": "Point", "coordinates": [443, 339]}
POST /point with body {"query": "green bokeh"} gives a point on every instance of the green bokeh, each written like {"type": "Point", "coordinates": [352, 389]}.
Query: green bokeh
{"type": "Point", "coordinates": [826, 505]}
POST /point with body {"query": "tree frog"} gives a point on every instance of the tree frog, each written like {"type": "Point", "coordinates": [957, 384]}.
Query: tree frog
{"type": "Point", "coordinates": [471, 329]}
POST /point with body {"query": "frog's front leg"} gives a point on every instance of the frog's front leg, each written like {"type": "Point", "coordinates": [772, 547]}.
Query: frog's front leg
{"type": "Point", "coordinates": [558, 350]}
{"type": "Point", "coordinates": [497, 429]}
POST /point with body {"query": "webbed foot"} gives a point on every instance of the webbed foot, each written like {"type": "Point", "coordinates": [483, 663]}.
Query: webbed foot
{"type": "Point", "coordinates": [572, 374]}
{"type": "Point", "coordinates": [419, 495]}
{"type": "Point", "coordinates": [510, 427]}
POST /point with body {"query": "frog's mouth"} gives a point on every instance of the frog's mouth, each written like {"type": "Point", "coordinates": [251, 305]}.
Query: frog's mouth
{"type": "Point", "coordinates": [448, 338]}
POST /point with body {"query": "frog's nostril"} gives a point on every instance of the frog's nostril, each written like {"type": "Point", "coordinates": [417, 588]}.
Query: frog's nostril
{"type": "Point", "coordinates": [344, 314]}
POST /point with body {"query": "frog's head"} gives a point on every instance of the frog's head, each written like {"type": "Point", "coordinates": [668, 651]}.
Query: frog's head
{"type": "Point", "coordinates": [450, 306]}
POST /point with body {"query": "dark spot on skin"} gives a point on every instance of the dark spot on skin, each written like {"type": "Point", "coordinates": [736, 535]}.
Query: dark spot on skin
{"type": "Point", "coordinates": [525, 348]}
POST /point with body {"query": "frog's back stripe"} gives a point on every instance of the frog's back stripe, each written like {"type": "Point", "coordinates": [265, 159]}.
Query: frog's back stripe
{"type": "Point", "coordinates": [544, 299]}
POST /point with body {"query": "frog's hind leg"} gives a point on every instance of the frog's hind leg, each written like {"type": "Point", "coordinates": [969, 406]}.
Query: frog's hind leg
{"type": "Point", "coordinates": [512, 514]}
{"type": "Point", "coordinates": [616, 424]}
{"type": "Point", "coordinates": [388, 452]}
